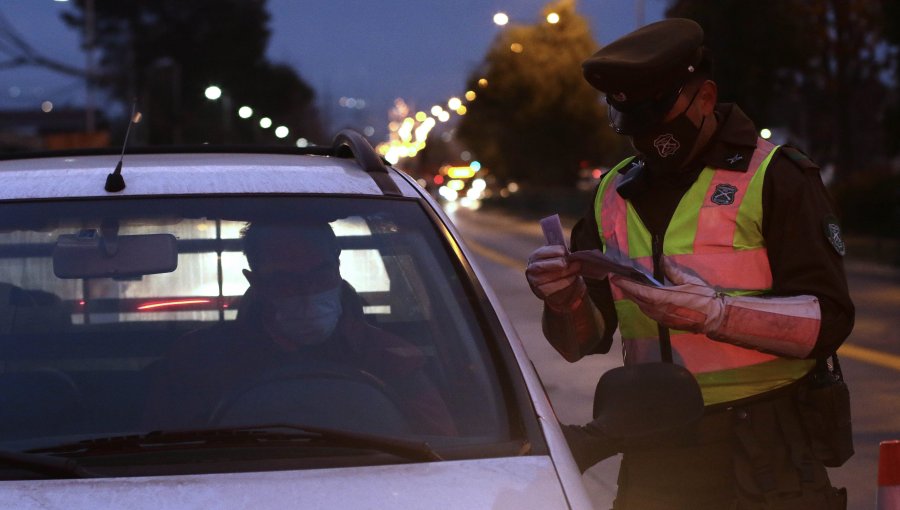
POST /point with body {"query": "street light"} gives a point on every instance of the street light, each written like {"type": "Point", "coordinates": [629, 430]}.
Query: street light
{"type": "Point", "coordinates": [212, 92]}
{"type": "Point", "coordinates": [501, 19]}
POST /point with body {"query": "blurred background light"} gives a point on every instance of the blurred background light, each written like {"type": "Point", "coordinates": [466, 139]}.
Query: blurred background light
{"type": "Point", "coordinates": [212, 92]}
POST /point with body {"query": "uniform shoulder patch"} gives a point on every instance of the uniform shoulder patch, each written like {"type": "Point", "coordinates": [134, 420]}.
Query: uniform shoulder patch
{"type": "Point", "coordinates": [833, 234]}
{"type": "Point", "coordinates": [798, 157]}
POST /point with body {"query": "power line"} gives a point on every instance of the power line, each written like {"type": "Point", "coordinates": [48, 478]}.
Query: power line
{"type": "Point", "coordinates": [14, 44]}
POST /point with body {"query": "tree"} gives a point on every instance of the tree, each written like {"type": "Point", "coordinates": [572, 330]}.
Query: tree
{"type": "Point", "coordinates": [535, 118]}
{"type": "Point", "coordinates": [815, 67]}
{"type": "Point", "coordinates": [892, 35]}
{"type": "Point", "coordinates": [165, 53]}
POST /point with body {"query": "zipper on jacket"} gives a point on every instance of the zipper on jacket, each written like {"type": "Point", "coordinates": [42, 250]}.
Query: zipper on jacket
{"type": "Point", "coordinates": [665, 341]}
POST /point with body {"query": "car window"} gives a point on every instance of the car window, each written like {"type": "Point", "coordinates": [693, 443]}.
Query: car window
{"type": "Point", "coordinates": [90, 356]}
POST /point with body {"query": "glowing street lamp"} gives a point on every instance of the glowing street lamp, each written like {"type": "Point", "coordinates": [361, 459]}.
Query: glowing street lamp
{"type": "Point", "coordinates": [282, 131]}
{"type": "Point", "coordinates": [265, 123]}
{"type": "Point", "coordinates": [212, 92]}
{"type": "Point", "coordinates": [245, 112]}
{"type": "Point", "coordinates": [553, 18]}
{"type": "Point", "coordinates": [501, 19]}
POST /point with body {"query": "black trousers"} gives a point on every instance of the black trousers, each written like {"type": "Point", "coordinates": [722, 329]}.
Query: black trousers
{"type": "Point", "coordinates": [754, 456]}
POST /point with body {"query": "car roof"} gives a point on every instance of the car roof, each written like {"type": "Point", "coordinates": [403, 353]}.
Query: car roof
{"type": "Point", "coordinates": [188, 174]}
{"type": "Point", "coordinates": [350, 167]}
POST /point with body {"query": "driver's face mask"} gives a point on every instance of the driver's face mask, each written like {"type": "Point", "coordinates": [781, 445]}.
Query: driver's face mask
{"type": "Point", "coordinates": [667, 145]}
{"type": "Point", "coordinates": [308, 319]}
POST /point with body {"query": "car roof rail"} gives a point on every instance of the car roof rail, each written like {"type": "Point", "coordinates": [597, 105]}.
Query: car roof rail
{"type": "Point", "coordinates": [350, 143]}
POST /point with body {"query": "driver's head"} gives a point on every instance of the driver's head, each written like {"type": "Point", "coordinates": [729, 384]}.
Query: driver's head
{"type": "Point", "coordinates": [295, 273]}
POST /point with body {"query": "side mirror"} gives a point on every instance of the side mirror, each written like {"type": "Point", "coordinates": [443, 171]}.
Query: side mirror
{"type": "Point", "coordinates": [645, 399]}
{"type": "Point", "coordinates": [90, 255]}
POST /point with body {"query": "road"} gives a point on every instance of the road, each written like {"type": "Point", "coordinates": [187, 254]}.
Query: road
{"type": "Point", "coordinates": [870, 358]}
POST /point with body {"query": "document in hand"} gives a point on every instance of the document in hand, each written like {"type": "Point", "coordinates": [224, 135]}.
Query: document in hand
{"type": "Point", "coordinates": [595, 264]}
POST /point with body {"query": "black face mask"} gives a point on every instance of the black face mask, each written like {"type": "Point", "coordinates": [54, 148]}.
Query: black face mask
{"type": "Point", "coordinates": [667, 145]}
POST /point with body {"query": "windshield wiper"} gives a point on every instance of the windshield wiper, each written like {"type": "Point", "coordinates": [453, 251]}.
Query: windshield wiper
{"type": "Point", "coordinates": [56, 467]}
{"type": "Point", "coordinates": [266, 432]}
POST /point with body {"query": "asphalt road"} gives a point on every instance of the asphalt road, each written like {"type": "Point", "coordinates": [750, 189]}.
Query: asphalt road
{"type": "Point", "coordinates": [870, 358]}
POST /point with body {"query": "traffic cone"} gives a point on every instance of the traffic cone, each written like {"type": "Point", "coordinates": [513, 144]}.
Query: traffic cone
{"type": "Point", "coordinates": [888, 497]}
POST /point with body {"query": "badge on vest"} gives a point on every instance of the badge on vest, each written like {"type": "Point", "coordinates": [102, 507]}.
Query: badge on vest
{"type": "Point", "coordinates": [723, 194]}
{"type": "Point", "coordinates": [833, 234]}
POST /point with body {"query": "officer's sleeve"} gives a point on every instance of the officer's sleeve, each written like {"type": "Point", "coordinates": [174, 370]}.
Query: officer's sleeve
{"type": "Point", "coordinates": [586, 236]}
{"type": "Point", "coordinates": [804, 244]}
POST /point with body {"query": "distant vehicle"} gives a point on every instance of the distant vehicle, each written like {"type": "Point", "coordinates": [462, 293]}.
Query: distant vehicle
{"type": "Point", "coordinates": [98, 287]}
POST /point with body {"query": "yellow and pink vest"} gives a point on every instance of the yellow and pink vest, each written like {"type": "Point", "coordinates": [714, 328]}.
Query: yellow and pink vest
{"type": "Point", "coordinates": [716, 232]}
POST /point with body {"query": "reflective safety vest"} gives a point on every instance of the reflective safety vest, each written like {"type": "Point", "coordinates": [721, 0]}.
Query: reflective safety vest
{"type": "Point", "coordinates": [716, 232]}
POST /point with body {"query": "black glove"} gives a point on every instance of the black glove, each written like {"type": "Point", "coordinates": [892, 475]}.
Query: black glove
{"type": "Point", "coordinates": [589, 446]}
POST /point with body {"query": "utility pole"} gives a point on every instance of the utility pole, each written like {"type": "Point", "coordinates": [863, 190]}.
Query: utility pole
{"type": "Point", "coordinates": [89, 30]}
{"type": "Point", "coordinates": [638, 13]}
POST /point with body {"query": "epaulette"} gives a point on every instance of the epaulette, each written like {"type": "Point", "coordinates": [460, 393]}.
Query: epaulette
{"type": "Point", "coordinates": [798, 157]}
{"type": "Point", "coordinates": [635, 162]}
{"type": "Point", "coordinates": [634, 180]}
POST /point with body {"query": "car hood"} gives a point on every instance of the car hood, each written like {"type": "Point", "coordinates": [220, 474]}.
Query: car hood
{"type": "Point", "coordinates": [507, 483]}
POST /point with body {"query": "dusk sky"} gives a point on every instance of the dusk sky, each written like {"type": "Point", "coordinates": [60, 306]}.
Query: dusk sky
{"type": "Point", "coordinates": [421, 51]}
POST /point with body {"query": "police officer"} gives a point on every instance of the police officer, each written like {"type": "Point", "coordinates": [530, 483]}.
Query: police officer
{"type": "Point", "coordinates": [743, 237]}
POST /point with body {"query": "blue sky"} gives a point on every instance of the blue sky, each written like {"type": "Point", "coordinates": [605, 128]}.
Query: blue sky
{"type": "Point", "coordinates": [420, 50]}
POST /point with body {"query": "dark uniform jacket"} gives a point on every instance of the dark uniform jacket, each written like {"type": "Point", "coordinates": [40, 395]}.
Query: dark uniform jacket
{"type": "Point", "coordinates": [803, 253]}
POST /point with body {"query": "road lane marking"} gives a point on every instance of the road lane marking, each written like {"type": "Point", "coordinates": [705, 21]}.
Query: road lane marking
{"type": "Point", "coordinates": [495, 256]}
{"type": "Point", "coordinates": [872, 356]}
{"type": "Point", "coordinates": [854, 352]}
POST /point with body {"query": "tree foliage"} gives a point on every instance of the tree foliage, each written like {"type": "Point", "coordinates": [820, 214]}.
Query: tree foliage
{"type": "Point", "coordinates": [813, 67]}
{"type": "Point", "coordinates": [892, 35]}
{"type": "Point", "coordinates": [537, 120]}
{"type": "Point", "coordinates": [164, 53]}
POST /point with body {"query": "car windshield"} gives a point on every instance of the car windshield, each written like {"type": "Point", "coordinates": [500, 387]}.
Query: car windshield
{"type": "Point", "coordinates": [344, 314]}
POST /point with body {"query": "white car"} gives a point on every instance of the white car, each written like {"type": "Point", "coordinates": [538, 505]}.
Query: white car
{"type": "Point", "coordinates": [103, 288]}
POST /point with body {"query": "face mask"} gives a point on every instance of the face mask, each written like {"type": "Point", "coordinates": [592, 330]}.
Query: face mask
{"type": "Point", "coordinates": [667, 145]}
{"type": "Point", "coordinates": [309, 319]}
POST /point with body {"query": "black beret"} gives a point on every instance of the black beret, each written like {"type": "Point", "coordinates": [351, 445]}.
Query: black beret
{"type": "Point", "coordinates": [647, 64]}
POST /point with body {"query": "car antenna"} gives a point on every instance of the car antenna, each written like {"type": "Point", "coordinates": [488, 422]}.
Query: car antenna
{"type": "Point", "coordinates": [114, 181]}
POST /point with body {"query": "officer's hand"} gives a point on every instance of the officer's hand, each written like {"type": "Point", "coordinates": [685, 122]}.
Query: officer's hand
{"type": "Point", "coordinates": [589, 446]}
{"type": "Point", "coordinates": [690, 304]}
{"type": "Point", "coordinates": [553, 279]}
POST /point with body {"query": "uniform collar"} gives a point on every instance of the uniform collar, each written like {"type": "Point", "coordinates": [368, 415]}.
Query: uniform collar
{"type": "Point", "coordinates": [734, 141]}
{"type": "Point", "coordinates": [730, 148]}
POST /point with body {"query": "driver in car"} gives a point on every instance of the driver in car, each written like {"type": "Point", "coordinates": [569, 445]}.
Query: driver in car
{"type": "Point", "coordinates": [297, 308]}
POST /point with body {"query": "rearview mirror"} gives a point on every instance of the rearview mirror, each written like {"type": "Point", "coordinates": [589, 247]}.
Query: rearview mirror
{"type": "Point", "coordinates": [644, 399]}
{"type": "Point", "coordinates": [88, 255]}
